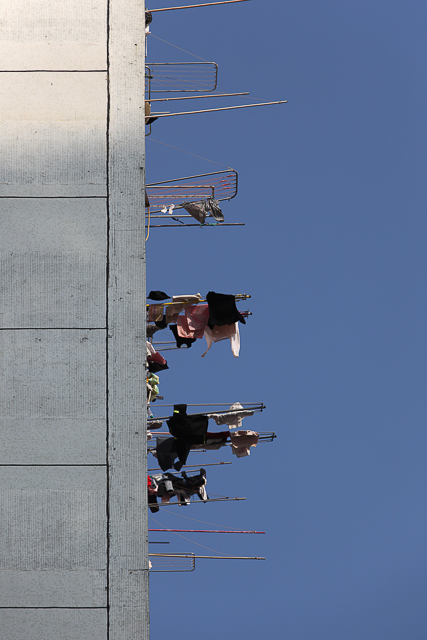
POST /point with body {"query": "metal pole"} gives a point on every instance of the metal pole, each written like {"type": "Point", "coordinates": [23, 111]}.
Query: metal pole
{"type": "Point", "coordinates": [176, 504]}
{"type": "Point", "coordinates": [213, 95]}
{"type": "Point", "coordinates": [203, 531]}
{"type": "Point", "coordinates": [195, 466]}
{"type": "Point", "coordinates": [219, 224]}
{"type": "Point", "coordinates": [191, 555]}
{"type": "Point", "coordinates": [192, 6]}
{"type": "Point", "coordinates": [240, 106]}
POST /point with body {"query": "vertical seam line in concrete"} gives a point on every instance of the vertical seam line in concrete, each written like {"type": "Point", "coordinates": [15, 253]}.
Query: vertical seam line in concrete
{"type": "Point", "coordinates": [107, 320]}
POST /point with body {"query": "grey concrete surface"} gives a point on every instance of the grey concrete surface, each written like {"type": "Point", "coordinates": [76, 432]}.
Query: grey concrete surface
{"type": "Point", "coordinates": [73, 512]}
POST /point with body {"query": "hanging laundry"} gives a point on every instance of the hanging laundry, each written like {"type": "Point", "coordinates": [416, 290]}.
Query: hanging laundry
{"type": "Point", "coordinates": [213, 441]}
{"type": "Point", "coordinates": [156, 362]}
{"type": "Point", "coordinates": [154, 424]}
{"type": "Point", "coordinates": [166, 485]}
{"type": "Point", "coordinates": [214, 209]}
{"type": "Point", "coordinates": [222, 333]}
{"type": "Point", "coordinates": [155, 312]}
{"type": "Point", "coordinates": [151, 330]}
{"type": "Point", "coordinates": [157, 295]}
{"type": "Point", "coordinates": [222, 310]}
{"type": "Point", "coordinates": [194, 297]}
{"type": "Point", "coordinates": [187, 428]}
{"type": "Point", "coordinates": [152, 387]}
{"type": "Point", "coordinates": [168, 450]}
{"type": "Point", "coordinates": [161, 324]}
{"type": "Point", "coordinates": [192, 324]}
{"type": "Point", "coordinates": [233, 417]}
{"type": "Point", "coordinates": [180, 341]}
{"type": "Point", "coordinates": [166, 210]}
{"type": "Point", "coordinates": [196, 209]}
{"type": "Point", "coordinates": [173, 309]}
{"type": "Point", "coordinates": [242, 441]}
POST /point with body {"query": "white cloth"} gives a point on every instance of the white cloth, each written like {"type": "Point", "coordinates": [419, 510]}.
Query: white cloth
{"type": "Point", "coordinates": [233, 418]}
{"type": "Point", "coordinates": [194, 297]}
{"type": "Point", "coordinates": [222, 333]}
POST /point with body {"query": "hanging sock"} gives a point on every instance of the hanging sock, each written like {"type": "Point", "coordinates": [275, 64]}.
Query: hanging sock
{"type": "Point", "coordinates": [214, 209]}
{"type": "Point", "coordinates": [157, 295]}
{"type": "Point", "coordinates": [222, 309]}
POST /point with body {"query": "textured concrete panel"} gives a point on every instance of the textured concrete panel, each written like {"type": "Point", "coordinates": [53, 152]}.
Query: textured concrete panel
{"type": "Point", "coordinates": [57, 224]}
{"type": "Point", "coordinates": [52, 289]}
{"type": "Point", "coordinates": [53, 134]}
{"type": "Point", "coordinates": [53, 518]}
{"type": "Point", "coordinates": [52, 441]}
{"type": "Point", "coordinates": [128, 582]}
{"type": "Point", "coordinates": [79, 588]}
{"type": "Point", "coordinates": [52, 373]}
{"type": "Point", "coordinates": [36, 624]}
{"type": "Point", "coordinates": [52, 159]}
{"type": "Point", "coordinates": [53, 34]}
{"type": "Point", "coordinates": [49, 97]}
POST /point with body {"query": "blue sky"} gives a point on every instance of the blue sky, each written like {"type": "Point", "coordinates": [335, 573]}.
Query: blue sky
{"type": "Point", "coordinates": [332, 191]}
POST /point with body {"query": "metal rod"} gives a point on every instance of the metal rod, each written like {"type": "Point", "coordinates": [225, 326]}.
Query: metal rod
{"type": "Point", "coordinates": [191, 555]}
{"type": "Point", "coordinates": [214, 95]}
{"type": "Point", "coordinates": [194, 466]}
{"type": "Point", "coordinates": [204, 531]}
{"type": "Point", "coordinates": [192, 6]}
{"type": "Point", "coordinates": [222, 224]}
{"type": "Point", "coordinates": [176, 504]}
{"type": "Point", "coordinates": [239, 106]}
{"type": "Point", "coordinates": [217, 404]}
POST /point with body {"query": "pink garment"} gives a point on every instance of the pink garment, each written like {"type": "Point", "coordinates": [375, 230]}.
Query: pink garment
{"type": "Point", "coordinates": [192, 324]}
{"type": "Point", "coordinates": [222, 333]}
{"type": "Point", "coordinates": [242, 441]}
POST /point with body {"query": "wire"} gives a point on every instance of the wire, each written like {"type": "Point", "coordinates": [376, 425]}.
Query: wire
{"type": "Point", "coordinates": [174, 45]}
{"type": "Point", "coordinates": [195, 520]}
{"type": "Point", "coordinates": [190, 154]}
{"type": "Point", "coordinates": [189, 539]}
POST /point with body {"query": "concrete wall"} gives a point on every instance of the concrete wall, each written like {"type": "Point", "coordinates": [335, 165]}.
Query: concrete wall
{"type": "Point", "coordinates": [73, 515]}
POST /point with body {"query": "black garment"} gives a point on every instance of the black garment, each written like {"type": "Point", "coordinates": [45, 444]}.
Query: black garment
{"type": "Point", "coordinates": [161, 324]}
{"type": "Point", "coordinates": [180, 341]}
{"type": "Point", "coordinates": [214, 209]}
{"type": "Point", "coordinates": [190, 429]}
{"type": "Point", "coordinates": [168, 450]}
{"type": "Point", "coordinates": [222, 310]}
{"type": "Point", "coordinates": [155, 367]}
{"type": "Point", "coordinates": [157, 295]}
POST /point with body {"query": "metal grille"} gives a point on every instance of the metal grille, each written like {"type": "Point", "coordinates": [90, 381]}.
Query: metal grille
{"type": "Point", "coordinates": [167, 562]}
{"type": "Point", "coordinates": [173, 77]}
{"type": "Point", "coordinates": [221, 185]}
